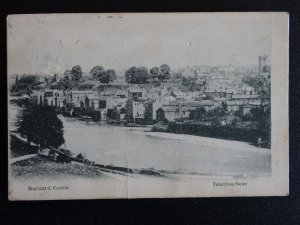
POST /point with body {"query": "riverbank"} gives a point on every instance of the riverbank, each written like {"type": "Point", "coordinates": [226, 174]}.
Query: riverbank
{"type": "Point", "coordinates": [41, 167]}
{"type": "Point", "coordinates": [229, 133]}
{"type": "Point", "coordinates": [246, 133]}
{"type": "Point", "coordinates": [26, 163]}
{"type": "Point", "coordinates": [254, 136]}
{"type": "Point", "coordinates": [209, 141]}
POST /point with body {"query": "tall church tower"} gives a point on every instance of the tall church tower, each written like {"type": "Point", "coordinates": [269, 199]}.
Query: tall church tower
{"type": "Point", "coordinates": [263, 64]}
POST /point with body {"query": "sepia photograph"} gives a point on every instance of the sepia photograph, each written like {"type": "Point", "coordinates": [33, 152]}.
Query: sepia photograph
{"type": "Point", "coordinates": [147, 105]}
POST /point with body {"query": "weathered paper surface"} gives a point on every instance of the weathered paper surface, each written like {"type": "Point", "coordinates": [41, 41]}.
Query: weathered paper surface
{"type": "Point", "coordinates": [179, 105]}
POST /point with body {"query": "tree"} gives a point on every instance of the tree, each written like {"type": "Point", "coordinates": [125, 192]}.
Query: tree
{"type": "Point", "coordinates": [111, 75]}
{"type": "Point", "coordinates": [108, 76]}
{"type": "Point", "coordinates": [263, 117]}
{"type": "Point", "coordinates": [66, 83]}
{"type": "Point", "coordinates": [191, 84]}
{"type": "Point", "coordinates": [113, 114]}
{"type": "Point", "coordinates": [96, 71]}
{"type": "Point", "coordinates": [67, 75]}
{"type": "Point", "coordinates": [154, 72]}
{"type": "Point", "coordinates": [104, 76]}
{"type": "Point", "coordinates": [224, 105]}
{"type": "Point", "coordinates": [40, 125]}
{"type": "Point", "coordinates": [129, 74]}
{"type": "Point", "coordinates": [25, 84]}
{"type": "Point", "coordinates": [142, 75]}
{"type": "Point", "coordinates": [216, 121]}
{"type": "Point", "coordinates": [136, 75]}
{"type": "Point", "coordinates": [164, 70]}
{"type": "Point", "coordinates": [198, 113]}
{"type": "Point", "coordinates": [122, 110]}
{"type": "Point", "coordinates": [217, 112]}
{"type": "Point", "coordinates": [234, 122]}
{"type": "Point", "coordinates": [76, 73]}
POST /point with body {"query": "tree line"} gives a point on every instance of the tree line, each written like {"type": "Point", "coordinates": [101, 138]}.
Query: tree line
{"type": "Point", "coordinates": [74, 78]}
{"type": "Point", "coordinates": [141, 75]}
{"type": "Point", "coordinates": [134, 75]}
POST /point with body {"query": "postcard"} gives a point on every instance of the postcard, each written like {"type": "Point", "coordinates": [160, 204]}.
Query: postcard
{"type": "Point", "coordinates": [147, 105]}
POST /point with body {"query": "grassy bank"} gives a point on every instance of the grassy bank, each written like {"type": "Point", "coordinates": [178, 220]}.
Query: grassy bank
{"type": "Point", "coordinates": [20, 148]}
{"type": "Point", "coordinates": [40, 167]}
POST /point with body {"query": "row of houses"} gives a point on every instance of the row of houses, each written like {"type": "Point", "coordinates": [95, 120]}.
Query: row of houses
{"type": "Point", "coordinates": [80, 102]}
{"type": "Point", "coordinates": [142, 105]}
{"type": "Point", "coordinates": [162, 109]}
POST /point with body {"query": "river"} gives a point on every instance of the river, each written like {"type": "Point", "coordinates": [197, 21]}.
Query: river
{"type": "Point", "coordinates": [138, 148]}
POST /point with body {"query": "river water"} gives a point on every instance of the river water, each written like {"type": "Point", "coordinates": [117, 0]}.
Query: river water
{"type": "Point", "coordinates": [138, 148]}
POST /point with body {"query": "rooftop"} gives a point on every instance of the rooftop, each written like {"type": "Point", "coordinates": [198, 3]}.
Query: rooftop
{"type": "Point", "coordinates": [234, 102]}
{"type": "Point", "coordinates": [243, 96]}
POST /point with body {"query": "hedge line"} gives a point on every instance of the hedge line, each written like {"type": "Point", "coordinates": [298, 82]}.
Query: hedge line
{"type": "Point", "coordinates": [224, 132]}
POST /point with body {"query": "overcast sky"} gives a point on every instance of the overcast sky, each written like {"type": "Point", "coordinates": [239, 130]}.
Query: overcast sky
{"type": "Point", "coordinates": [53, 43]}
